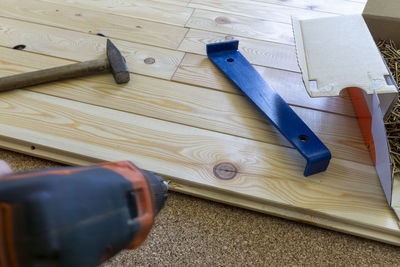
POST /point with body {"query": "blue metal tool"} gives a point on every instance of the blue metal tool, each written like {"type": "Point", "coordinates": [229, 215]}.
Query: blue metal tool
{"type": "Point", "coordinates": [230, 61]}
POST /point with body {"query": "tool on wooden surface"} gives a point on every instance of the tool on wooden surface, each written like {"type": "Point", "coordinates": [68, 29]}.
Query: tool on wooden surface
{"type": "Point", "coordinates": [229, 60]}
{"type": "Point", "coordinates": [76, 216]}
{"type": "Point", "coordinates": [115, 63]}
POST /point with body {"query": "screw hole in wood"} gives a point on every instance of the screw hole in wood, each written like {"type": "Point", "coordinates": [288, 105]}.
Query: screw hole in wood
{"type": "Point", "coordinates": [222, 20]}
{"type": "Point", "coordinates": [149, 60]}
{"type": "Point", "coordinates": [19, 47]}
{"type": "Point", "coordinates": [33, 147]}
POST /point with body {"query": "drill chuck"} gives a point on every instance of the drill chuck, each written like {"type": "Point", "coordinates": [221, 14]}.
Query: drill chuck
{"type": "Point", "coordinates": [159, 190]}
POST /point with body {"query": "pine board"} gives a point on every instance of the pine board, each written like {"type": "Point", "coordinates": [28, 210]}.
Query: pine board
{"type": "Point", "coordinates": [190, 105]}
{"type": "Point", "coordinates": [241, 26]}
{"type": "Point", "coordinates": [263, 53]}
{"type": "Point", "coordinates": [103, 134]}
{"type": "Point", "coordinates": [94, 22]}
{"type": "Point", "coordinates": [179, 116]}
{"type": "Point", "coordinates": [158, 11]}
{"type": "Point", "coordinates": [198, 70]}
{"type": "Point", "coordinates": [80, 46]}
{"type": "Point", "coordinates": [259, 10]}
{"type": "Point", "coordinates": [343, 7]}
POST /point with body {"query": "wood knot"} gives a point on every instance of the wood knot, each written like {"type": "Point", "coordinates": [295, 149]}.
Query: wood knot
{"type": "Point", "coordinates": [225, 171]}
{"type": "Point", "coordinates": [222, 20]}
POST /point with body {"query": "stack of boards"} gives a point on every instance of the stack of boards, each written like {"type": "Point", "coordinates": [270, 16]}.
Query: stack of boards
{"type": "Point", "coordinates": [179, 116]}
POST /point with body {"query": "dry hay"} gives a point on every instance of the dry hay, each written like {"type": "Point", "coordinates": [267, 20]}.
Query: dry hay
{"type": "Point", "coordinates": [391, 54]}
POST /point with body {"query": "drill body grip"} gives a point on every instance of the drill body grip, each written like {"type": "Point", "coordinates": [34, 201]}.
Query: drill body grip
{"type": "Point", "coordinates": [77, 216]}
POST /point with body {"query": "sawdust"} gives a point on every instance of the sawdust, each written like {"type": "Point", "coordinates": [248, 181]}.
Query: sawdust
{"type": "Point", "coordinates": [391, 54]}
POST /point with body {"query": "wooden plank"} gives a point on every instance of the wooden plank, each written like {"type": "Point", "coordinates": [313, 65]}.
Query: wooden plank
{"type": "Point", "coordinates": [88, 21]}
{"type": "Point", "coordinates": [272, 175]}
{"type": "Point", "coordinates": [298, 215]}
{"type": "Point", "coordinates": [175, 2]}
{"type": "Point", "coordinates": [343, 7]}
{"type": "Point", "coordinates": [259, 10]}
{"type": "Point", "coordinates": [328, 222]}
{"type": "Point", "coordinates": [189, 105]}
{"type": "Point", "coordinates": [143, 9]}
{"type": "Point", "coordinates": [183, 131]}
{"type": "Point", "coordinates": [241, 26]}
{"type": "Point", "coordinates": [261, 53]}
{"type": "Point", "coordinates": [79, 46]}
{"type": "Point", "coordinates": [198, 70]}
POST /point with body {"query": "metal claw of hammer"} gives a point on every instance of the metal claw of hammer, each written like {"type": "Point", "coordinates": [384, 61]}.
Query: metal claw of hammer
{"type": "Point", "coordinates": [115, 63]}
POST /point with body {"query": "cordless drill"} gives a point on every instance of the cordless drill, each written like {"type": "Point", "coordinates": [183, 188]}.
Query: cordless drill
{"type": "Point", "coordinates": [76, 216]}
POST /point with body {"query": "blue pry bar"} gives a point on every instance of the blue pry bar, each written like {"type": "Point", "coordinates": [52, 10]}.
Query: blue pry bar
{"type": "Point", "coordinates": [235, 66]}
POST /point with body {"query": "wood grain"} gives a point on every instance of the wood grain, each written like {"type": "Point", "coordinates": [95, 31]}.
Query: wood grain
{"type": "Point", "coordinates": [80, 47]}
{"type": "Point", "coordinates": [183, 128]}
{"type": "Point", "coordinates": [171, 150]}
{"type": "Point", "coordinates": [94, 22]}
{"type": "Point", "coordinates": [257, 10]}
{"type": "Point", "coordinates": [299, 215]}
{"type": "Point", "coordinates": [143, 9]}
{"type": "Point", "coordinates": [241, 26]}
{"type": "Point", "coordinates": [175, 2]}
{"type": "Point", "coordinates": [198, 70]}
{"type": "Point", "coordinates": [257, 52]}
{"type": "Point", "coordinates": [396, 195]}
{"type": "Point", "coordinates": [189, 105]}
{"type": "Point", "coordinates": [343, 7]}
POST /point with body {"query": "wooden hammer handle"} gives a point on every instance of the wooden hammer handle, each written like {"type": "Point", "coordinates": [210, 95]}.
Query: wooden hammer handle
{"type": "Point", "coordinates": [54, 74]}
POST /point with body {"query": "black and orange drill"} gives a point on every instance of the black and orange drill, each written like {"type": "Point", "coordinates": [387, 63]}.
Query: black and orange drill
{"type": "Point", "coordinates": [76, 216]}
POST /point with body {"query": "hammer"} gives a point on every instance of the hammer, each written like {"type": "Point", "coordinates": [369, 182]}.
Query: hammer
{"type": "Point", "coordinates": [114, 62]}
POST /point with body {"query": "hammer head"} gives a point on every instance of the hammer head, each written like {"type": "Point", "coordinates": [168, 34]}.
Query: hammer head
{"type": "Point", "coordinates": [117, 63]}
